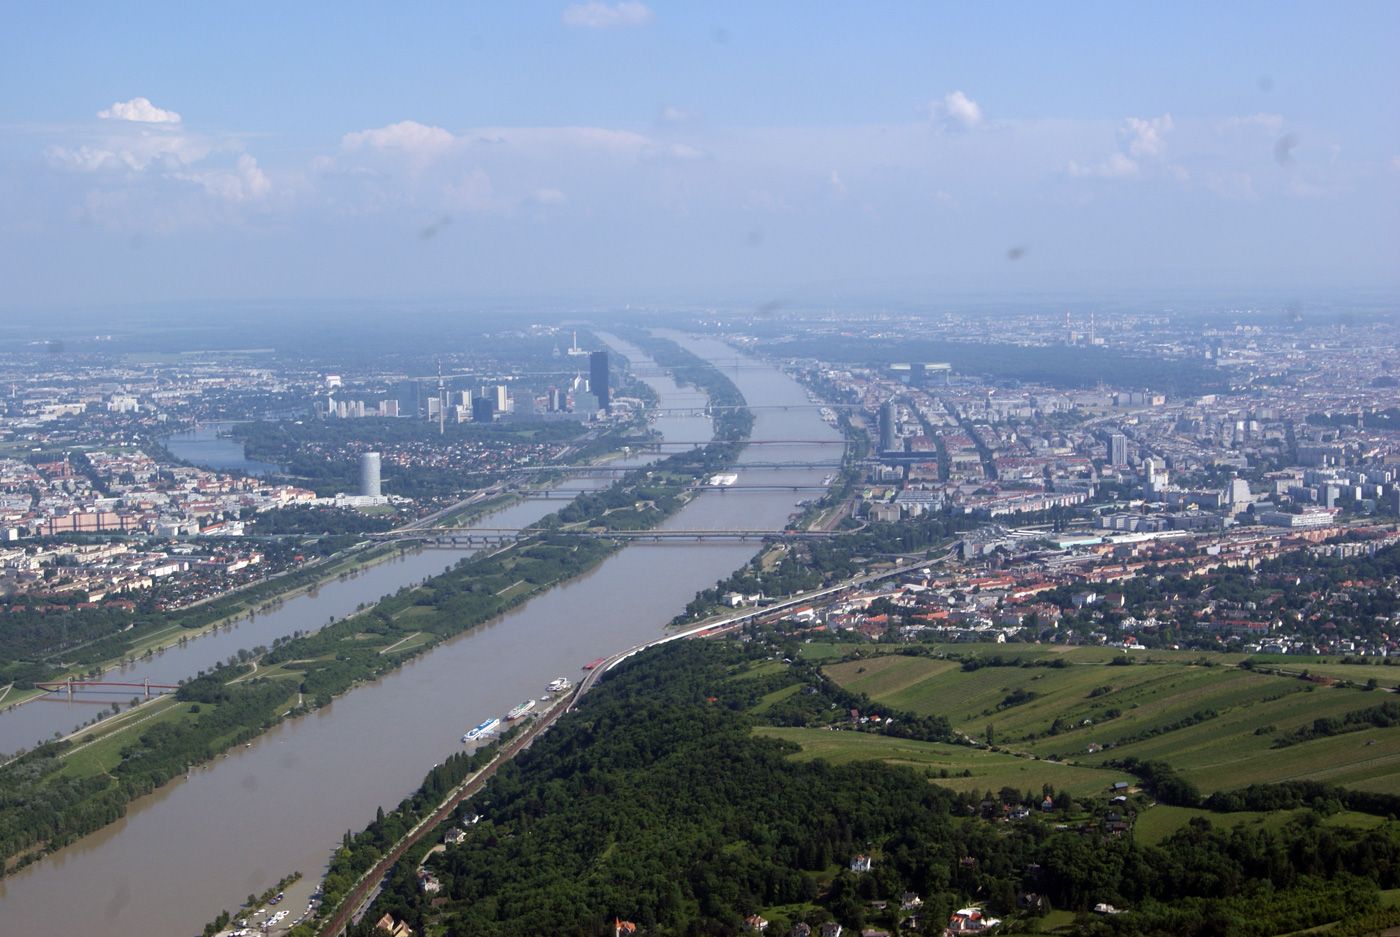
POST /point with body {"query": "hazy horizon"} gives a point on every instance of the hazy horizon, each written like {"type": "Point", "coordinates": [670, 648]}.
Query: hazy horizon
{"type": "Point", "coordinates": [682, 154]}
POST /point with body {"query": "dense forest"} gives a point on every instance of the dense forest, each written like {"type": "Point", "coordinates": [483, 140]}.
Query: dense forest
{"type": "Point", "coordinates": [657, 804]}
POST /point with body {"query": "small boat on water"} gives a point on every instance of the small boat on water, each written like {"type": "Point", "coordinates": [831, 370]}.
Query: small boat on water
{"type": "Point", "coordinates": [520, 710]}
{"type": "Point", "coordinates": [591, 664]}
{"type": "Point", "coordinates": [484, 729]}
{"type": "Point", "coordinates": [559, 685]}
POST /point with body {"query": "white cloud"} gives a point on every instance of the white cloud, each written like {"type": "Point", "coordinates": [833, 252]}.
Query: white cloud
{"type": "Point", "coordinates": [956, 110]}
{"type": "Point", "coordinates": [668, 152]}
{"type": "Point", "coordinates": [141, 110]}
{"type": "Point", "coordinates": [1117, 166]}
{"type": "Point", "coordinates": [1233, 185]}
{"type": "Point", "coordinates": [1269, 123]}
{"type": "Point", "coordinates": [837, 186]}
{"type": "Point", "coordinates": [594, 14]}
{"type": "Point", "coordinates": [406, 135]}
{"type": "Point", "coordinates": [1145, 136]}
{"type": "Point", "coordinates": [244, 183]}
{"type": "Point", "coordinates": [132, 151]}
{"type": "Point", "coordinates": [473, 193]}
{"type": "Point", "coordinates": [674, 115]}
{"type": "Point", "coordinates": [548, 197]}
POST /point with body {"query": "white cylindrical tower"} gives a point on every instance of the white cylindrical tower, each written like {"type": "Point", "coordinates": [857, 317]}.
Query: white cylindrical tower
{"type": "Point", "coordinates": [369, 474]}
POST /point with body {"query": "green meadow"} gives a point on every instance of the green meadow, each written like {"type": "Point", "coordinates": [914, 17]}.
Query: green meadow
{"type": "Point", "coordinates": [1214, 722]}
{"type": "Point", "coordinates": [967, 768]}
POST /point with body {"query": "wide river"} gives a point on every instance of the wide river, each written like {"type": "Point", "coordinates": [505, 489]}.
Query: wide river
{"type": "Point", "coordinates": [235, 826]}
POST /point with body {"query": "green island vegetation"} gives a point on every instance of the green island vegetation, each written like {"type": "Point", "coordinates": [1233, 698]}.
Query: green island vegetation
{"type": "Point", "coordinates": [65, 789]}
{"type": "Point", "coordinates": [732, 420]}
{"type": "Point", "coordinates": [703, 783]}
{"type": "Point", "coordinates": [317, 453]}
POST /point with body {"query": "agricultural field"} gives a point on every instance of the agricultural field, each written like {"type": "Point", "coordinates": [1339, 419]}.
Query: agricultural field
{"type": "Point", "coordinates": [1385, 675]}
{"type": "Point", "coordinates": [1161, 821]}
{"type": "Point", "coordinates": [1215, 724]}
{"type": "Point", "coordinates": [966, 768]}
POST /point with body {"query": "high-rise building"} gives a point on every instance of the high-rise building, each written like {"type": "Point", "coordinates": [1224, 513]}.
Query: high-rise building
{"type": "Point", "coordinates": [483, 410]}
{"type": "Point", "coordinates": [502, 398]}
{"type": "Point", "coordinates": [887, 427]}
{"type": "Point", "coordinates": [369, 474]}
{"type": "Point", "coordinates": [598, 378]}
{"type": "Point", "coordinates": [413, 398]}
{"type": "Point", "coordinates": [1118, 449]}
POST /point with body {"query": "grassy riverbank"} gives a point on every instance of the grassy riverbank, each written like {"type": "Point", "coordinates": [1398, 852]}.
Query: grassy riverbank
{"type": "Point", "coordinates": [48, 800]}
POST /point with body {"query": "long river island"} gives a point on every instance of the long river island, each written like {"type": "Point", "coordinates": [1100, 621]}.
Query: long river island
{"type": "Point", "coordinates": [238, 824]}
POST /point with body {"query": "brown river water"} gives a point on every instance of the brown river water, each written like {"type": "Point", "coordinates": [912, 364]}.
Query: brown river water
{"type": "Point", "coordinates": [235, 826]}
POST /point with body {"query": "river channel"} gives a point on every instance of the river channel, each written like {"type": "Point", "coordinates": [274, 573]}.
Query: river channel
{"type": "Point", "coordinates": [235, 826]}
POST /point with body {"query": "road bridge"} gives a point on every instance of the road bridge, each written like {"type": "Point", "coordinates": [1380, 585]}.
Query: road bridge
{"type": "Point", "coordinates": [487, 536]}
{"type": "Point", "coordinates": [693, 444]}
{"type": "Point", "coordinates": [561, 494]}
{"type": "Point", "coordinates": [702, 410]}
{"type": "Point", "coordinates": [73, 686]}
{"type": "Point", "coordinates": [832, 462]}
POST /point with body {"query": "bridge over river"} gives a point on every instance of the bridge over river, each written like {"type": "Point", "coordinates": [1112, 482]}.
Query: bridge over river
{"type": "Point", "coordinates": [486, 536]}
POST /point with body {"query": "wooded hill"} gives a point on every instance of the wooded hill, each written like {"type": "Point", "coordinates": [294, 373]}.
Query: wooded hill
{"type": "Point", "coordinates": [657, 803]}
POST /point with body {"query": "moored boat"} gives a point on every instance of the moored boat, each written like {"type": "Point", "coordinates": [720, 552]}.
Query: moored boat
{"type": "Point", "coordinates": [520, 710]}
{"type": "Point", "coordinates": [484, 729]}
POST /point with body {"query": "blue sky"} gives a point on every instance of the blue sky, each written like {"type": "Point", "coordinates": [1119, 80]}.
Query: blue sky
{"type": "Point", "coordinates": [676, 153]}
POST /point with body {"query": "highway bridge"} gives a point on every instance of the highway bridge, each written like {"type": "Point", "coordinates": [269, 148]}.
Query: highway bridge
{"type": "Point", "coordinates": [703, 410]}
{"type": "Point", "coordinates": [72, 686]}
{"type": "Point", "coordinates": [605, 469]}
{"type": "Point", "coordinates": [487, 536]}
{"type": "Point", "coordinates": [564, 494]}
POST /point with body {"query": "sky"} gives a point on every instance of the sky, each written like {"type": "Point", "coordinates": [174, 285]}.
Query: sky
{"type": "Point", "coordinates": [684, 153]}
